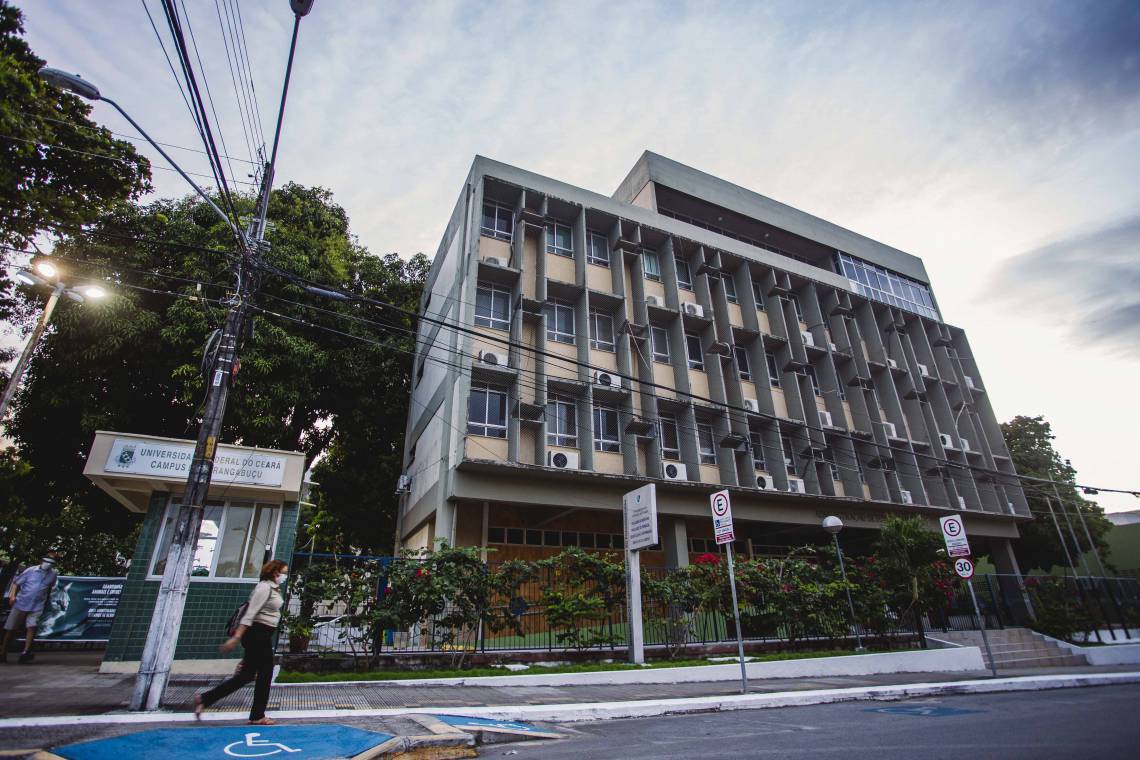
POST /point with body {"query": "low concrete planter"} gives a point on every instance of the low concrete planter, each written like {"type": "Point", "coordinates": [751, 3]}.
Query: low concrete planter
{"type": "Point", "coordinates": [1114, 654]}
{"type": "Point", "coordinates": [962, 659]}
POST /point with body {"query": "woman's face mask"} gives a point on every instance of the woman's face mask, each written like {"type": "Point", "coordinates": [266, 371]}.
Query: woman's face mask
{"type": "Point", "coordinates": [281, 578]}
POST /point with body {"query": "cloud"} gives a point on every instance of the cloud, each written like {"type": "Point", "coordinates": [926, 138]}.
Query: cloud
{"type": "Point", "coordinates": [1090, 282]}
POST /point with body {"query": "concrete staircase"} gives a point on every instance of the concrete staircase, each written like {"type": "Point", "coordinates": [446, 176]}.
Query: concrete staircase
{"type": "Point", "coordinates": [1013, 648]}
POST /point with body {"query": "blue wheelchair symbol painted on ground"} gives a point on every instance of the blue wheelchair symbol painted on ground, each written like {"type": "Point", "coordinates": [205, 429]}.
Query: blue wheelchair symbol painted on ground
{"type": "Point", "coordinates": [312, 742]}
{"type": "Point", "coordinates": [926, 711]}
{"type": "Point", "coordinates": [490, 724]}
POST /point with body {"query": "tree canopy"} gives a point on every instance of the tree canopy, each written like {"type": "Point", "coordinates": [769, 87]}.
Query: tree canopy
{"type": "Point", "coordinates": [325, 377]}
{"type": "Point", "coordinates": [1030, 442]}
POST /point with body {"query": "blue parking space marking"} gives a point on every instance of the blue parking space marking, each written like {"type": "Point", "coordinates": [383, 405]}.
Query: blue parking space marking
{"type": "Point", "coordinates": [312, 742]}
{"type": "Point", "coordinates": [490, 724]}
{"type": "Point", "coordinates": [923, 711]}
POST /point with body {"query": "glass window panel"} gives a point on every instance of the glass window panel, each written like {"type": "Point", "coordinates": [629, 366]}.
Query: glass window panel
{"type": "Point", "coordinates": [496, 535]}
{"type": "Point", "coordinates": [533, 537]}
{"type": "Point", "coordinates": [659, 336]}
{"type": "Point", "coordinates": [551, 538]}
{"type": "Point", "coordinates": [207, 541]}
{"type": "Point", "coordinates": [569, 538]}
{"type": "Point", "coordinates": [617, 541]}
{"type": "Point", "coordinates": [650, 265]}
{"type": "Point", "coordinates": [586, 540]}
{"type": "Point", "coordinates": [514, 535]}
{"type": "Point", "coordinates": [234, 541]}
{"type": "Point", "coordinates": [261, 535]}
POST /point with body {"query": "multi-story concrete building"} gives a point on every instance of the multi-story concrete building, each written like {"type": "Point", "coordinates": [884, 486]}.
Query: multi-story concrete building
{"type": "Point", "coordinates": [692, 333]}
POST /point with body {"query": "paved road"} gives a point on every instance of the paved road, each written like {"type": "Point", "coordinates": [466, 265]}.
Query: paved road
{"type": "Point", "coordinates": [1066, 724]}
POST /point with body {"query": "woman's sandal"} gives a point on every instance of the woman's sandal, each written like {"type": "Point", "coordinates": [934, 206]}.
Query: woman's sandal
{"type": "Point", "coordinates": [263, 722]}
{"type": "Point", "coordinates": [198, 707]}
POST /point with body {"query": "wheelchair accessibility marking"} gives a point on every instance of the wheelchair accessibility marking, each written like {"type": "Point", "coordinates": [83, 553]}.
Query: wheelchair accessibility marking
{"type": "Point", "coordinates": [305, 742]}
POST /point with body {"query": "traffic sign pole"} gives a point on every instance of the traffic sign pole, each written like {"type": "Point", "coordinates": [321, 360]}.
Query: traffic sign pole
{"type": "Point", "coordinates": [982, 627]}
{"type": "Point", "coordinates": [736, 616]}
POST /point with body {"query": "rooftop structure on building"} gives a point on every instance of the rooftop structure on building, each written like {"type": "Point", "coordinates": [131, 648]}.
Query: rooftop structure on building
{"type": "Point", "coordinates": [689, 332]}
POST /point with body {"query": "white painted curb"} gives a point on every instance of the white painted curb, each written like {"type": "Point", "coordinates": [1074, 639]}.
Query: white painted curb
{"type": "Point", "coordinates": [570, 713]}
{"type": "Point", "coordinates": [960, 660]}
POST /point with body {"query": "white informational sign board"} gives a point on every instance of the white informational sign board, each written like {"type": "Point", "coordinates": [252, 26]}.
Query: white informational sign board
{"type": "Point", "coordinates": [169, 459]}
{"type": "Point", "coordinates": [722, 517]}
{"type": "Point", "coordinates": [954, 534]}
{"type": "Point", "coordinates": [640, 510]}
{"type": "Point", "coordinates": [964, 568]}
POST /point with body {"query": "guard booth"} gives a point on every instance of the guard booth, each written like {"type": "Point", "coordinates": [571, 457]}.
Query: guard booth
{"type": "Point", "coordinates": [250, 517]}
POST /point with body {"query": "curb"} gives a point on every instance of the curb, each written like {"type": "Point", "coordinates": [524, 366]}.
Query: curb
{"type": "Point", "coordinates": [568, 713]}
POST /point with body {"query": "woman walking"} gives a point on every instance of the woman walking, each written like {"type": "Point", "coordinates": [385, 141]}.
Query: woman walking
{"type": "Point", "coordinates": [255, 632]}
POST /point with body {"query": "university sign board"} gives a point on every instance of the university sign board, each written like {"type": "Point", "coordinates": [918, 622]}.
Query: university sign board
{"type": "Point", "coordinates": [954, 534]}
{"type": "Point", "coordinates": [171, 459]}
{"type": "Point", "coordinates": [640, 510]}
{"type": "Point", "coordinates": [722, 518]}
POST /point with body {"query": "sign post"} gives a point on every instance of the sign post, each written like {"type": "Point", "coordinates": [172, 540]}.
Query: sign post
{"type": "Point", "coordinates": [724, 534]}
{"type": "Point", "coordinates": [958, 547]}
{"type": "Point", "coordinates": [639, 509]}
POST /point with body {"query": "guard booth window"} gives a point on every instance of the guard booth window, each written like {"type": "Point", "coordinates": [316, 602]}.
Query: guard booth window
{"type": "Point", "coordinates": [231, 543]}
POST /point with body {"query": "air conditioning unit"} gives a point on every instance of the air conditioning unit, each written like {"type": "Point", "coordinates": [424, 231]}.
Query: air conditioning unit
{"type": "Point", "coordinates": [655, 301]}
{"type": "Point", "coordinates": [969, 382]}
{"type": "Point", "coordinates": [752, 405]}
{"type": "Point", "coordinates": [905, 496]}
{"type": "Point", "coordinates": [693, 309]}
{"type": "Point", "coordinates": [796, 485]}
{"type": "Point", "coordinates": [808, 338]}
{"type": "Point", "coordinates": [965, 444]}
{"type": "Point", "coordinates": [494, 358]}
{"type": "Point", "coordinates": [961, 502]}
{"type": "Point", "coordinates": [832, 346]}
{"type": "Point", "coordinates": [674, 471]}
{"type": "Point", "coordinates": [892, 432]}
{"type": "Point", "coordinates": [764, 482]}
{"type": "Point", "coordinates": [404, 484]}
{"type": "Point", "coordinates": [562, 460]}
{"type": "Point", "coordinates": [494, 261]}
{"type": "Point", "coordinates": [606, 380]}
{"type": "Point", "coordinates": [892, 363]}
{"type": "Point", "coordinates": [946, 441]}
{"type": "Point", "coordinates": [825, 419]}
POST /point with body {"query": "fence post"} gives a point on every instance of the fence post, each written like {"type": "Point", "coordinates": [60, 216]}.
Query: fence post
{"type": "Point", "coordinates": [994, 601]}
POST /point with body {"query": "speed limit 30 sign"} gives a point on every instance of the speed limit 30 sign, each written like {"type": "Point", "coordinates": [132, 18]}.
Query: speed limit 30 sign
{"type": "Point", "coordinates": [964, 568]}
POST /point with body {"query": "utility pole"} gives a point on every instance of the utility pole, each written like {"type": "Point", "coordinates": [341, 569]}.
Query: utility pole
{"type": "Point", "coordinates": [29, 349]}
{"type": "Point", "coordinates": [166, 621]}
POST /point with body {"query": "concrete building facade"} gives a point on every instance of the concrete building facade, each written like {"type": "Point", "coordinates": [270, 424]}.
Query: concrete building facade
{"type": "Point", "coordinates": [692, 333]}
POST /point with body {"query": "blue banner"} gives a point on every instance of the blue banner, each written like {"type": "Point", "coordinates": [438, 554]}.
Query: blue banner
{"type": "Point", "coordinates": [80, 609]}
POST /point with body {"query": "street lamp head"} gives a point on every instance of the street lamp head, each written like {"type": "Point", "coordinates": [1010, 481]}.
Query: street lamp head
{"type": "Point", "coordinates": [24, 277]}
{"type": "Point", "coordinates": [94, 292]}
{"type": "Point", "coordinates": [832, 524]}
{"type": "Point", "coordinates": [70, 82]}
{"type": "Point", "coordinates": [47, 269]}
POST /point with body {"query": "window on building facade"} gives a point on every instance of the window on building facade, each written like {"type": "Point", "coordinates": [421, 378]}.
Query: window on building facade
{"type": "Point", "coordinates": [758, 294]}
{"type": "Point", "coordinates": [695, 355]}
{"type": "Point", "coordinates": [606, 436]}
{"type": "Point", "coordinates": [773, 370]}
{"type": "Point", "coordinates": [559, 321]}
{"type": "Point", "coordinates": [797, 306]}
{"type": "Point", "coordinates": [559, 239]}
{"type": "Point", "coordinates": [562, 421]}
{"type": "Point", "coordinates": [598, 249]}
{"type": "Point", "coordinates": [492, 306]}
{"type": "Point", "coordinates": [232, 540]}
{"type": "Point", "coordinates": [487, 411]}
{"type": "Point", "coordinates": [670, 443]}
{"type": "Point", "coordinates": [706, 444]}
{"type": "Point", "coordinates": [789, 455]}
{"type": "Point", "coordinates": [756, 439]}
{"type": "Point", "coordinates": [809, 372]}
{"type": "Point", "coordinates": [498, 221]}
{"type": "Point", "coordinates": [886, 286]}
{"type": "Point", "coordinates": [684, 277]}
{"type": "Point", "coordinates": [859, 467]}
{"type": "Point", "coordinates": [659, 338]}
{"type": "Point", "coordinates": [601, 331]}
{"type": "Point", "coordinates": [729, 287]}
{"type": "Point", "coordinates": [651, 265]}
{"type": "Point", "coordinates": [742, 363]}
{"type": "Point", "coordinates": [829, 457]}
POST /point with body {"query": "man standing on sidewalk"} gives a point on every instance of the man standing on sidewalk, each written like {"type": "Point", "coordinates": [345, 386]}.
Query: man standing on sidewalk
{"type": "Point", "coordinates": [27, 598]}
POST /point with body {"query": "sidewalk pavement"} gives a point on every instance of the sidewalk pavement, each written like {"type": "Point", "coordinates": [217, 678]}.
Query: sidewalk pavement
{"type": "Point", "coordinates": [69, 684]}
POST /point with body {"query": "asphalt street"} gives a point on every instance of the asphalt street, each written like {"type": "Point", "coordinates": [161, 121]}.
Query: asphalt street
{"type": "Point", "coordinates": [1095, 722]}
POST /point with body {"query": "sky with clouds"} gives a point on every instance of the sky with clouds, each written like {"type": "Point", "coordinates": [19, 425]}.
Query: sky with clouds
{"type": "Point", "coordinates": [1000, 142]}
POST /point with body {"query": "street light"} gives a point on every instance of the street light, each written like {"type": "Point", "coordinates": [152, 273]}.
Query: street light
{"type": "Point", "coordinates": [833, 525]}
{"type": "Point", "coordinates": [43, 274]}
{"type": "Point", "coordinates": [84, 89]}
